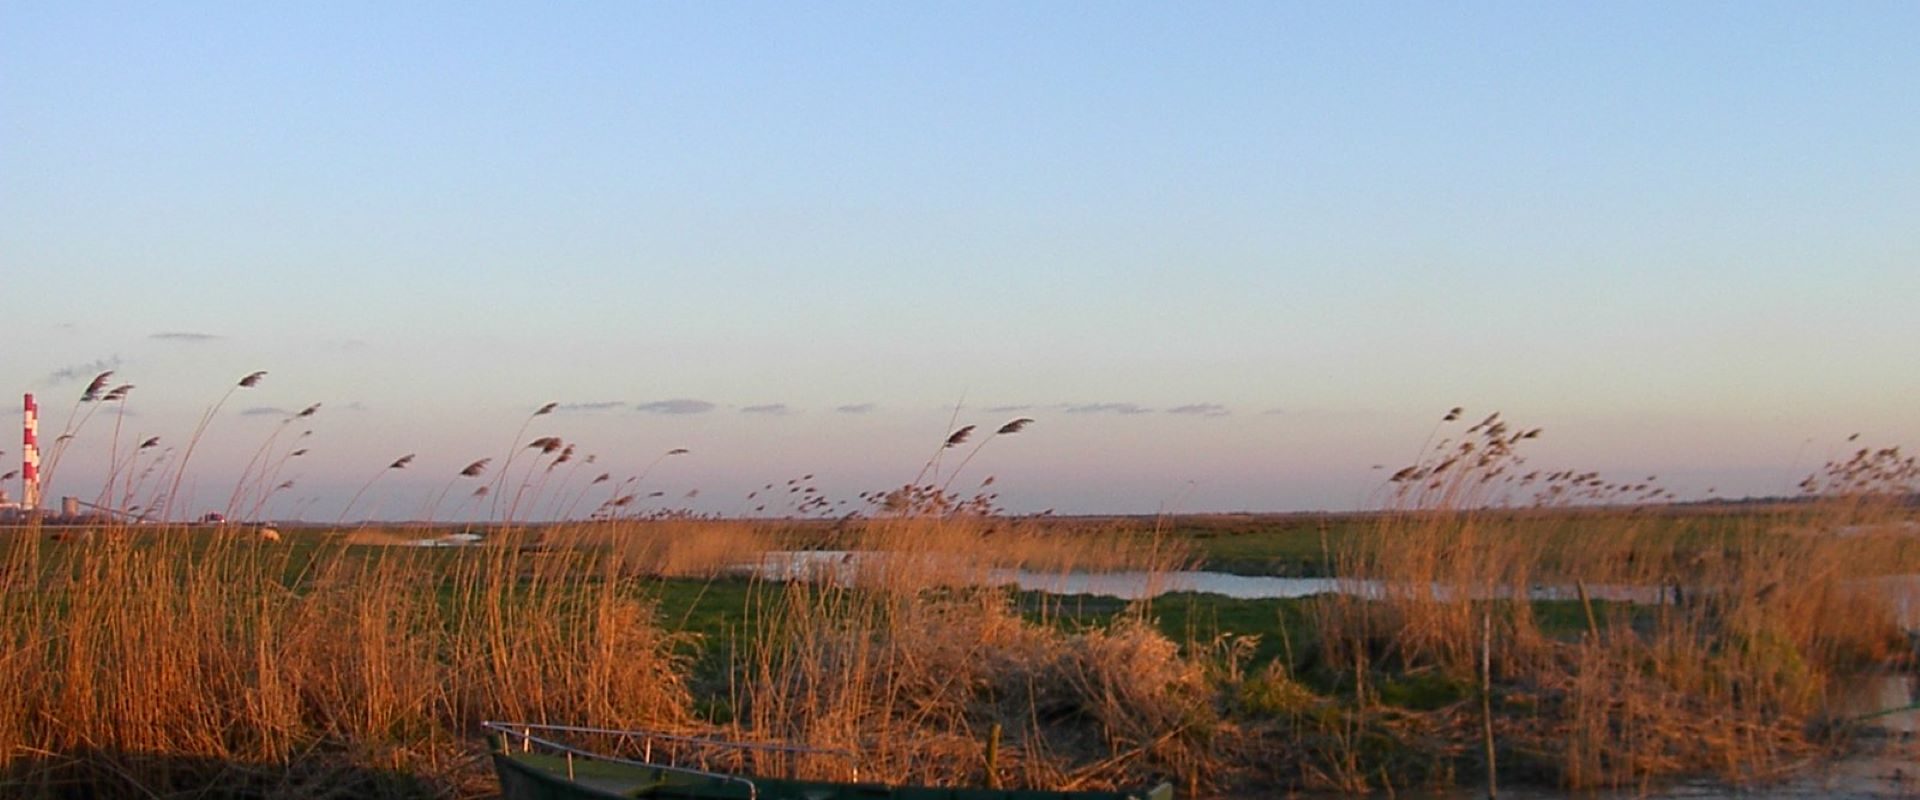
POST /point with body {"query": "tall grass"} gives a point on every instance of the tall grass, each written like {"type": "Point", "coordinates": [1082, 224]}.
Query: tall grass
{"type": "Point", "coordinates": [911, 657]}
{"type": "Point", "coordinates": [148, 661]}
{"type": "Point", "coordinates": [669, 548]}
{"type": "Point", "coordinates": [915, 552]}
{"type": "Point", "coordinates": [145, 660]}
{"type": "Point", "coordinates": [919, 683]}
{"type": "Point", "coordinates": [1739, 631]}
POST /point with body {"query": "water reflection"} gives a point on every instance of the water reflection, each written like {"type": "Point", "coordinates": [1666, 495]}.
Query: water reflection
{"type": "Point", "coordinates": [844, 566]}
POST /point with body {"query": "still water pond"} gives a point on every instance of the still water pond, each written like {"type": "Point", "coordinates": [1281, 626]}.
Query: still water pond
{"type": "Point", "coordinates": [844, 566]}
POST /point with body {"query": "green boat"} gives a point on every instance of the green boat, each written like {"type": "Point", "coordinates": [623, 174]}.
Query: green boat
{"type": "Point", "coordinates": [535, 764]}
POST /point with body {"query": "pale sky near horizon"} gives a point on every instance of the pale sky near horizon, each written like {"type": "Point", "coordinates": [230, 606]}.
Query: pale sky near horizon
{"type": "Point", "coordinates": [1227, 256]}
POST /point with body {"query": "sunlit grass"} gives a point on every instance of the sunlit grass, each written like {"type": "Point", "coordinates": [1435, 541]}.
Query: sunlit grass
{"type": "Point", "coordinates": [152, 657]}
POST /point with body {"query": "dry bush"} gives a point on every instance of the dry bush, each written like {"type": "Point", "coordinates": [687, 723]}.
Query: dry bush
{"type": "Point", "coordinates": [908, 657]}
{"type": "Point", "coordinates": [916, 682]}
{"type": "Point", "coordinates": [1134, 682]}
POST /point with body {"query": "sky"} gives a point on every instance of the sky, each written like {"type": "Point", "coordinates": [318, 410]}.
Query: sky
{"type": "Point", "coordinates": [1226, 256]}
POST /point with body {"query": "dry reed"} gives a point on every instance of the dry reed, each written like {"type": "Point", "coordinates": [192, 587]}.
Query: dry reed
{"type": "Point", "coordinates": [153, 659]}
{"type": "Point", "coordinates": [150, 661]}
{"type": "Point", "coordinates": [1735, 631]}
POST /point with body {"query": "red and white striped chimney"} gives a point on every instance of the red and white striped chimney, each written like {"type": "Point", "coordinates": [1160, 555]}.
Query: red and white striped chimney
{"type": "Point", "coordinates": [30, 455]}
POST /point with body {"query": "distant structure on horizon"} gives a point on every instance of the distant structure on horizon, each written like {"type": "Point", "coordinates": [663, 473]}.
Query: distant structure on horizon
{"type": "Point", "coordinates": [30, 454]}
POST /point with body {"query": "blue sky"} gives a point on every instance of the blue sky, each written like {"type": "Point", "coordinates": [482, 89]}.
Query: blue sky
{"type": "Point", "coordinates": [1680, 239]}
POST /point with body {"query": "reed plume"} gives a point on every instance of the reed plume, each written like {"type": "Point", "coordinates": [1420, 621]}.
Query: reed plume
{"type": "Point", "coordinates": [398, 464]}
{"type": "Point", "coordinates": [1010, 428]}
{"type": "Point", "coordinates": [71, 430]}
{"type": "Point", "coordinates": [167, 501]}
{"type": "Point", "coordinates": [507, 465]}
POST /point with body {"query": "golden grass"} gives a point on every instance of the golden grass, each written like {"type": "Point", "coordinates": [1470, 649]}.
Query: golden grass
{"type": "Point", "coordinates": [148, 662]}
{"type": "Point", "coordinates": [156, 659]}
{"type": "Point", "coordinates": [918, 683]}
{"type": "Point", "coordinates": [671, 548]}
{"type": "Point", "coordinates": [1741, 629]}
{"type": "Point", "coordinates": [915, 552]}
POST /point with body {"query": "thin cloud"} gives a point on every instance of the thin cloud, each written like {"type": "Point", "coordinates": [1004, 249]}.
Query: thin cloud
{"type": "Point", "coordinates": [856, 408]}
{"type": "Point", "coordinates": [598, 405]}
{"type": "Point", "coordinates": [78, 372]}
{"type": "Point", "coordinates": [1274, 411]}
{"type": "Point", "coordinates": [186, 336]}
{"type": "Point", "coordinates": [1127, 409]}
{"type": "Point", "coordinates": [265, 411]}
{"type": "Point", "coordinates": [1010, 409]}
{"type": "Point", "coordinates": [1201, 410]}
{"type": "Point", "coordinates": [678, 405]}
{"type": "Point", "coordinates": [769, 409]}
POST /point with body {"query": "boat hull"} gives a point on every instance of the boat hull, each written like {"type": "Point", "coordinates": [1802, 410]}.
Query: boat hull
{"type": "Point", "coordinates": [535, 776]}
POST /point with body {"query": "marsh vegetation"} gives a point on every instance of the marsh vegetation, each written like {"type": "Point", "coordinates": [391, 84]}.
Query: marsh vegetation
{"type": "Point", "coordinates": [147, 657]}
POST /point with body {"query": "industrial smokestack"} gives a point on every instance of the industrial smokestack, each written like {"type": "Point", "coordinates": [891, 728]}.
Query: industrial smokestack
{"type": "Point", "coordinates": [30, 455]}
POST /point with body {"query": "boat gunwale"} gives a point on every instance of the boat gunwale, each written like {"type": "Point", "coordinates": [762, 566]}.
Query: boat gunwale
{"type": "Point", "coordinates": [520, 729]}
{"type": "Point", "coordinates": [505, 729]}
